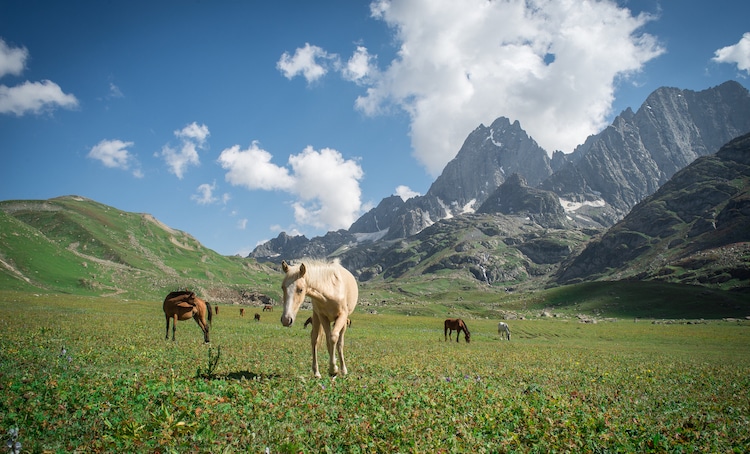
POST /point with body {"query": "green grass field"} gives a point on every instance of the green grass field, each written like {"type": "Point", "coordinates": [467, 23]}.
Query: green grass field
{"type": "Point", "coordinates": [91, 374]}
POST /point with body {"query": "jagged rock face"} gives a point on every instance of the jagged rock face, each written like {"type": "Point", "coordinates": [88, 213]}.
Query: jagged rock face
{"type": "Point", "coordinates": [290, 247]}
{"type": "Point", "coordinates": [639, 152]}
{"type": "Point", "coordinates": [515, 198]}
{"type": "Point", "coordinates": [704, 207]}
{"type": "Point", "coordinates": [486, 159]}
{"type": "Point", "coordinates": [380, 217]}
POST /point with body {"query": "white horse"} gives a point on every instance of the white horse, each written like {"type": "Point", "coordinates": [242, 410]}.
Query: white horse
{"type": "Point", "coordinates": [503, 330]}
{"type": "Point", "coordinates": [334, 293]}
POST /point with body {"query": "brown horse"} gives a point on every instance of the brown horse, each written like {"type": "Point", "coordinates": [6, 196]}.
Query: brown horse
{"type": "Point", "coordinates": [257, 317]}
{"type": "Point", "coordinates": [242, 312]}
{"type": "Point", "coordinates": [458, 325]}
{"type": "Point", "coordinates": [268, 308]}
{"type": "Point", "coordinates": [334, 293]}
{"type": "Point", "coordinates": [184, 306]}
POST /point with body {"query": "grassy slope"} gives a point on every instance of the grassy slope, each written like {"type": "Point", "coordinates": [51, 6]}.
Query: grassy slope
{"type": "Point", "coordinates": [79, 246]}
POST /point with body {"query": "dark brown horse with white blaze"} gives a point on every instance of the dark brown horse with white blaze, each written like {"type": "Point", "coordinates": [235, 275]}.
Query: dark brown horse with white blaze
{"type": "Point", "coordinates": [457, 325]}
{"type": "Point", "coordinates": [184, 306]}
{"type": "Point", "coordinates": [334, 293]}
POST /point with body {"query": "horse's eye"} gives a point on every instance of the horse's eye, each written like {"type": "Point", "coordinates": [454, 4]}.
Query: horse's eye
{"type": "Point", "coordinates": [299, 290]}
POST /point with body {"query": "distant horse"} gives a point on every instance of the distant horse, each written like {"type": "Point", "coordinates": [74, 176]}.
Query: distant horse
{"type": "Point", "coordinates": [184, 306]}
{"type": "Point", "coordinates": [216, 310]}
{"type": "Point", "coordinates": [268, 308]}
{"type": "Point", "coordinates": [257, 317]}
{"type": "Point", "coordinates": [503, 330]}
{"type": "Point", "coordinates": [242, 312]}
{"type": "Point", "coordinates": [458, 325]}
{"type": "Point", "coordinates": [334, 293]}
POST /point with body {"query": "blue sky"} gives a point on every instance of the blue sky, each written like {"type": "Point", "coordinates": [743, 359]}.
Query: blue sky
{"type": "Point", "coordinates": [234, 121]}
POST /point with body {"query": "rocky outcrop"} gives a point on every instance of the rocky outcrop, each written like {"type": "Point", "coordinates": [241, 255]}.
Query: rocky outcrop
{"type": "Point", "coordinates": [640, 151]}
{"type": "Point", "coordinates": [514, 197]}
{"type": "Point", "coordinates": [703, 211]}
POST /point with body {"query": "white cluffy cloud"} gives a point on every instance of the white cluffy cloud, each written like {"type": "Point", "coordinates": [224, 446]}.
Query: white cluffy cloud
{"type": "Point", "coordinates": [192, 137]}
{"type": "Point", "coordinates": [553, 65]}
{"type": "Point", "coordinates": [406, 193]}
{"type": "Point", "coordinates": [115, 155]}
{"type": "Point", "coordinates": [325, 185]}
{"type": "Point", "coordinates": [28, 97]}
{"type": "Point", "coordinates": [738, 54]}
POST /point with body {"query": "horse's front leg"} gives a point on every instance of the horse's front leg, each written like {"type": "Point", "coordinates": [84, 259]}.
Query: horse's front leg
{"type": "Point", "coordinates": [458, 334]}
{"type": "Point", "coordinates": [174, 325]}
{"type": "Point", "coordinates": [204, 327]}
{"type": "Point", "coordinates": [337, 337]}
{"type": "Point", "coordinates": [330, 344]}
{"type": "Point", "coordinates": [314, 340]}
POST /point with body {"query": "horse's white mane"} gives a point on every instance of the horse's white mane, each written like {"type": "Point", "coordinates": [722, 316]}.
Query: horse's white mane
{"type": "Point", "coordinates": [320, 270]}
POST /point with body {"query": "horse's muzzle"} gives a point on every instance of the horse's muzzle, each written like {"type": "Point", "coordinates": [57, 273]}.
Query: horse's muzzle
{"type": "Point", "coordinates": [287, 320]}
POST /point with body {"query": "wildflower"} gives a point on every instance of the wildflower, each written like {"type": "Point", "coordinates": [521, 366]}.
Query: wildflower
{"type": "Point", "coordinates": [13, 445]}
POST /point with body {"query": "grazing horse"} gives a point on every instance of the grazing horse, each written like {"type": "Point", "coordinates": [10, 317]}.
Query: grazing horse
{"type": "Point", "coordinates": [216, 310]}
{"type": "Point", "coordinates": [257, 317]}
{"type": "Point", "coordinates": [334, 293]}
{"type": "Point", "coordinates": [268, 308]}
{"type": "Point", "coordinates": [184, 306]}
{"type": "Point", "coordinates": [458, 325]}
{"type": "Point", "coordinates": [503, 330]}
{"type": "Point", "coordinates": [242, 312]}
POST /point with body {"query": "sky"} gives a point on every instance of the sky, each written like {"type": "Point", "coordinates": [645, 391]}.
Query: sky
{"type": "Point", "coordinates": [236, 120]}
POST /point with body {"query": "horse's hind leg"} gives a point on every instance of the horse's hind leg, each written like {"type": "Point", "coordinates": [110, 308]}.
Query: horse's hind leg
{"type": "Point", "coordinates": [174, 326]}
{"type": "Point", "coordinates": [166, 337]}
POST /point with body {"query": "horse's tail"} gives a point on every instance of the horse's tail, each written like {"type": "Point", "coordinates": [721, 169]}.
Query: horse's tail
{"type": "Point", "coordinates": [210, 317]}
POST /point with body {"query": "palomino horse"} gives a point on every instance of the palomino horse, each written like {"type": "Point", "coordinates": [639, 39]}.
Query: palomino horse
{"type": "Point", "coordinates": [184, 306]}
{"type": "Point", "coordinates": [458, 325]}
{"type": "Point", "coordinates": [334, 293]}
{"type": "Point", "coordinates": [503, 330]}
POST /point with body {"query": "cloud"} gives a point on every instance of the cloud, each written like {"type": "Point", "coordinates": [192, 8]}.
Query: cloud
{"type": "Point", "coordinates": [205, 195]}
{"type": "Point", "coordinates": [552, 65]}
{"type": "Point", "coordinates": [310, 61]}
{"type": "Point", "coordinates": [192, 137]}
{"type": "Point", "coordinates": [28, 97]}
{"type": "Point", "coordinates": [12, 60]}
{"type": "Point", "coordinates": [738, 54]}
{"type": "Point", "coordinates": [253, 169]}
{"type": "Point", "coordinates": [360, 66]}
{"type": "Point", "coordinates": [406, 193]}
{"type": "Point", "coordinates": [326, 186]}
{"type": "Point", "coordinates": [242, 224]}
{"type": "Point", "coordinates": [114, 154]}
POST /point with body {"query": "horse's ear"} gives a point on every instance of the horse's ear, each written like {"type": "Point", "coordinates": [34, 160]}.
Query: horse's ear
{"type": "Point", "coordinates": [302, 270]}
{"type": "Point", "coordinates": [284, 266]}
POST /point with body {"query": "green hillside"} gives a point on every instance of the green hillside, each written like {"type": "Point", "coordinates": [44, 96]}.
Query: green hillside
{"type": "Point", "coordinates": [78, 246]}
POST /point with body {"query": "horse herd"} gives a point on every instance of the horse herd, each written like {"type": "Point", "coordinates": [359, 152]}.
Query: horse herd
{"type": "Point", "coordinates": [333, 292]}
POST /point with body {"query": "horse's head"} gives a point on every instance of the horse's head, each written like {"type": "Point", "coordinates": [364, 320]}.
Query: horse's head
{"type": "Point", "coordinates": [467, 336]}
{"type": "Point", "coordinates": [294, 287]}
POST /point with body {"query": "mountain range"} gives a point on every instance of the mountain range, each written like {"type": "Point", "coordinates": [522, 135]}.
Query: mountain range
{"type": "Point", "coordinates": [535, 211]}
